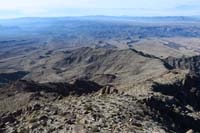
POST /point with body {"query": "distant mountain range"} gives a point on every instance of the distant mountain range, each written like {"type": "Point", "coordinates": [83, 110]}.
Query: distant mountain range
{"type": "Point", "coordinates": [89, 28]}
{"type": "Point", "coordinates": [153, 18]}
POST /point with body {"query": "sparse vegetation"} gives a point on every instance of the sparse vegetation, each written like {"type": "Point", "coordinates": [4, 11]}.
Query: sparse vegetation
{"type": "Point", "coordinates": [69, 75]}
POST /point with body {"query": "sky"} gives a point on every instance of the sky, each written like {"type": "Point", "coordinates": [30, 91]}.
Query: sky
{"type": "Point", "coordinates": [56, 8]}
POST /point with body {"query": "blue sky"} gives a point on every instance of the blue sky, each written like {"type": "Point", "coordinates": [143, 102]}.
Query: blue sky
{"type": "Point", "coordinates": [45, 8]}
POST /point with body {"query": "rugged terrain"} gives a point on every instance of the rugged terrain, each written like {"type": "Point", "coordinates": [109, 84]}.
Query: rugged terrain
{"type": "Point", "coordinates": [141, 94]}
{"type": "Point", "coordinates": [119, 67]}
{"type": "Point", "coordinates": [89, 77]}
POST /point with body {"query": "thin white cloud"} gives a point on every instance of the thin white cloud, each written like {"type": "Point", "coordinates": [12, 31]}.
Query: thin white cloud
{"type": "Point", "coordinates": [140, 7]}
{"type": "Point", "coordinates": [30, 4]}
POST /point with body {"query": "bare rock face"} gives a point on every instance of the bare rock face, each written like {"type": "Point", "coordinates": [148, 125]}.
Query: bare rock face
{"type": "Point", "coordinates": [106, 90]}
{"type": "Point", "coordinates": [191, 63]}
{"type": "Point", "coordinates": [172, 114]}
{"type": "Point", "coordinates": [186, 91]}
{"type": "Point", "coordinates": [176, 103]}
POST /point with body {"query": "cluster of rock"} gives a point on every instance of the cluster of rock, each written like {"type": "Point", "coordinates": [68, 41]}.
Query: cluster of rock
{"type": "Point", "coordinates": [108, 113]}
{"type": "Point", "coordinates": [88, 107]}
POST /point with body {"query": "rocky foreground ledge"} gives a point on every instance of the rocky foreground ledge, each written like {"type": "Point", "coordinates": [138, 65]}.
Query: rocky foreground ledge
{"type": "Point", "coordinates": [169, 104]}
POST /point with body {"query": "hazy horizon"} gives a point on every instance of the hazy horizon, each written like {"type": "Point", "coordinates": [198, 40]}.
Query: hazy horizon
{"type": "Point", "coordinates": [62, 8]}
{"type": "Point", "coordinates": [100, 16]}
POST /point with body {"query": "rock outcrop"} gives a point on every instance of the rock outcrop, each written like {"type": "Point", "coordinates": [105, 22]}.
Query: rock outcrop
{"type": "Point", "coordinates": [109, 89]}
{"type": "Point", "coordinates": [176, 104]}
{"type": "Point", "coordinates": [187, 91]}
{"type": "Point", "coordinates": [172, 114]}
{"type": "Point", "coordinates": [191, 63]}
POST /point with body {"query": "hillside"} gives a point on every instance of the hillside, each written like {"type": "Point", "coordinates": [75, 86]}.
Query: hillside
{"type": "Point", "coordinates": [106, 66]}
